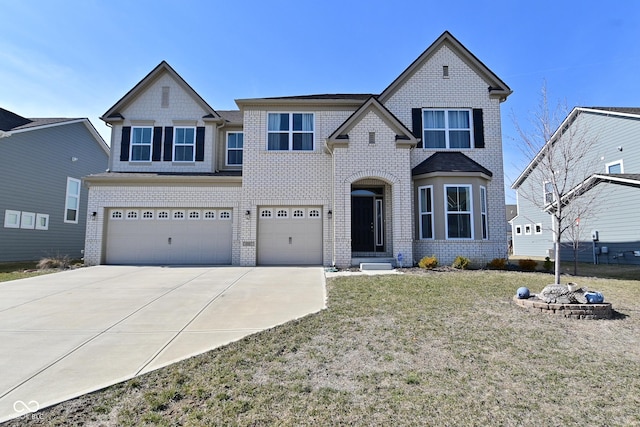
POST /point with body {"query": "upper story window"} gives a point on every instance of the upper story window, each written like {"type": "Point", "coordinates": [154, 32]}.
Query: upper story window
{"type": "Point", "coordinates": [141, 138]}
{"type": "Point", "coordinates": [184, 142]}
{"type": "Point", "coordinates": [72, 201]}
{"type": "Point", "coordinates": [235, 141]}
{"type": "Point", "coordinates": [448, 129]}
{"type": "Point", "coordinates": [290, 132]}
{"type": "Point", "coordinates": [459, 211]}
{"type": "Point", "coordinates": [425, 196]}
{"type": "Point", "coordinates": [548, 192]}
{"type": "Point", "coordinates": [614, 167]}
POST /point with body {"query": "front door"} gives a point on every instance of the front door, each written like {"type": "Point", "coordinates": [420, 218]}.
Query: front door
{"type": "Point", "coordinates": [366, 221]}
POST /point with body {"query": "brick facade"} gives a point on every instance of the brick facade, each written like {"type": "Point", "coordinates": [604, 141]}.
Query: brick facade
{"type": "Point", "coordinates": [377, 150]}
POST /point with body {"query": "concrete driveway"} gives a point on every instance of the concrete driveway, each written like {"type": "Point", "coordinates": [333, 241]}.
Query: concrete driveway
{"type": "Point", "coordinates": [66, 334]}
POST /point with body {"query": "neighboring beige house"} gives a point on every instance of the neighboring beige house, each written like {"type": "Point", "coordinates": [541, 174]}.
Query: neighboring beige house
{"type": "Point", "coordinates": [318, 180]}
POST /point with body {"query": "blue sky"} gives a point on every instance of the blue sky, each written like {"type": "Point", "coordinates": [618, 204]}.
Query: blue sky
{"type": "Point", "coordinates": [77, 58]}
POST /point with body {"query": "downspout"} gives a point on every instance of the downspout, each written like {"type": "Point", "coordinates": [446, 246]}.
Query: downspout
{"type": "Point", "coordinates": [333, 204]}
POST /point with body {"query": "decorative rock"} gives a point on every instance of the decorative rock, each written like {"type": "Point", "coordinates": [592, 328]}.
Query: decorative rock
{"type": "Point", "coordinates": [560, 294]}
{"type": "Point", "coordinates": [522, 293]}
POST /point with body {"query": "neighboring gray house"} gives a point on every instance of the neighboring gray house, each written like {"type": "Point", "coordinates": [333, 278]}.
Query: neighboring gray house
{"type": "Point", "coordinates": [615, 180]}
{"type": "Point", "coordinates": [42, 199]}
{"type": "Point", "coordinates": [326, 179]}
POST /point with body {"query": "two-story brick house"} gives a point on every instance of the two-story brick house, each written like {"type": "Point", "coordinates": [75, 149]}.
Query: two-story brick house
{"type": "Point", "coordinates": [319, 179]}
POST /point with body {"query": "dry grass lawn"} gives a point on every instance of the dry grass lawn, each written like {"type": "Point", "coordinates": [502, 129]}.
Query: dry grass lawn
{"type": "Point", "coordinates": [439, 348]}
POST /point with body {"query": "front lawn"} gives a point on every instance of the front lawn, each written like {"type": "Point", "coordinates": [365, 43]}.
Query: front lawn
{"type": "Point", "coordinates": [441, 348]}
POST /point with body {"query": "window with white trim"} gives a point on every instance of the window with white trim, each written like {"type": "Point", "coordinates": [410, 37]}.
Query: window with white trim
{"type": "Point", "coordinates": [141, 138]}
{"type": "Point", "coordinates": [282, 213]}
{"type": "Point", "coordinates": [72, 201]}
{"type": "Point", "coordinates": [614, 167]}
{"type": "Point", "coordinates": [266, 213]}
{"type": "Point", "coordinates": [132, 215]}
{"type": "Point", "coordinates": [178, 215]}
{"type": "Point", "coordinates": [235, 142]}
{"type": "Point", "coordinates": [518, 230]}
{"type": "Point", "coordinates": [42, 221]}
{"type": "Point", "coordinates": [548, 192]}
{"type": "Point", "coordinates": [527, 229]}
{"type": "Point", "coordinates": [538, 229]}
{"type": "Point", "coordinates": [314, 213]}
{"type": "Point", "coordinates": [459, 211]}
{"type": "Point", "coordinates": [28, 220]}
{"type": "Point", "coordinates": [225, 215]}
{"type": "Point", "coordinates": [448, 129]}
{"type": "Point", "coordinates": [209, 215]}
{"type": "Point", "coordinates": [163, 214]}
{"type": "Point", "coordinates": [425, 201]}
{"type": "Point", "coordinates": [12, 219]}
{"type": "Point", "coordinates": [290, 131]}
{"type": "Point", "coordinates": [298, 213]}
{"type": "Point", "coordinates": [194, 215]}
{"type": "Point", "coordinates": [117, 214]}
{"type": "Point", "coordinates": [483, 213]}
{"type": "Point", "coordinates": [147, 214]}
{"type": "Point", "coordinates": [184, 144]}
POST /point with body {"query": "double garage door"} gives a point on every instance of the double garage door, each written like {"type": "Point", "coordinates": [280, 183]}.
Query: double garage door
{"type": "Point", "coordinates": [169, 236]}
{"type": "Point", "coordinates": [289, 235]}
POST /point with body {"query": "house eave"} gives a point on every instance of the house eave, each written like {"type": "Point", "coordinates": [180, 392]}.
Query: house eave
{"type": "Point", "coordinates": [107, 179]}
{"type": "Point", "coordinates": [452, 174]}
{"type": "Point", "coordinates": [276, 102]}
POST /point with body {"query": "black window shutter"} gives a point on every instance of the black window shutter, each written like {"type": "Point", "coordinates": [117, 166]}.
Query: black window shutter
{"type": "Point", "coordinates": [416, 119]}
{"type": "Point", "coordinates": [124, 143]}
{"type": "Point", "coordinates": [478, 128]}
{"type": "Point", "coordinates": [199, 144]}
{"type": "Point", "coordinates": [168, 144]}
{"type": "Point", "coordinates": [157, 144]}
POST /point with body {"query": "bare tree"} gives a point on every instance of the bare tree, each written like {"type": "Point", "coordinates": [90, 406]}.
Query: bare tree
{"type": "Point", "coordinates": [562, 159]}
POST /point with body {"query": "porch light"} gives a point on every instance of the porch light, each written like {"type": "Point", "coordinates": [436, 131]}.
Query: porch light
{"type": "Point", "coordinates": [247, 213]}
{"type": "Point", "coordinates": [330, 214]}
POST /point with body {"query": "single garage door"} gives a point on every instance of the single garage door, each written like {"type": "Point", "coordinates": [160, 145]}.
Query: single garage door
{"type": "Point", "coordinates": [169, 236]}
{"type": "Point", "coordinates": [290, 235]}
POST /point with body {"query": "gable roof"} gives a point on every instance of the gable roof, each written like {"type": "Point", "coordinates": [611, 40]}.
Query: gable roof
{"type": "Point", "coordinates": [115, 111]}
{"type": "Point", "coordinates": [10, 121]}
{"type": "Point", "coordinates": [624, 112]}
{"type": "Point", "coordinates": [496, 87]}
{"type": "Point", "coordinates": [372, 104]}
{"type": "Point", "coordinates": [449, 161]}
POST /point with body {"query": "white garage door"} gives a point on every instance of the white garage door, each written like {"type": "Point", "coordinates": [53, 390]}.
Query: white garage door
{"type": "Point", "coordinates": [169, 236]}
{"type": "Point", "coordinates": [290, 235]}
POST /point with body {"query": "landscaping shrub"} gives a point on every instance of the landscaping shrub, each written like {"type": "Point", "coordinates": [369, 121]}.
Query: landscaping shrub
{"type": "Point", "coordinates": [461, 263]}
{"type": "Point", "coordinates": [547, 264]}
{"type": "Point", "coordinates": [527, 264]}
{"type": "Point", "coordinates": [497, 264]}
{"type": "Point", "coordinates": [428, 262]}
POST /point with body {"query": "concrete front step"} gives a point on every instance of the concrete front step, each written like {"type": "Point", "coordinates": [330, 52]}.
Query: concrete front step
{"type": "Point", "coordinates": [375, 266]}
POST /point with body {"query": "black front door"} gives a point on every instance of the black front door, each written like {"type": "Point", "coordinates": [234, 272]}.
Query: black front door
{"type": "Point", "coordinates": [362, 224]}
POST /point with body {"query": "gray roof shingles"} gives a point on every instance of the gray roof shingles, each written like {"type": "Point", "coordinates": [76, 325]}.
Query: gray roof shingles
{"type": "Point", "coordinates": [452, 161]}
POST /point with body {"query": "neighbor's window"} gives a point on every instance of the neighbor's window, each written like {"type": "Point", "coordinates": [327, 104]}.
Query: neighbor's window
{"type": "Point", "coordinates": [72, 201]}
{"type": "Point", "coordinates": [518, 230]}
{"type": "Point", "coordinates": [290, 131]}
{"type": "Point", "coordinates": [538, 228]}
{"type": "Point", "coordinates": [548, 192]}
{"type": "Point", "coordinates": [28, 220]}
{"type": "Point", "coordinates": [141, 144]}
{"type": "Point", "coordinates": [425, 196]}
{"type": "Point", "coordinates": [483, 213]}
{"type": "Point", "coordinates": [184, 143]}
{"type": "Point", "coordinates": [527, 229]}
{"type": "Point", "coordinates": [235, 141]}
{"type": "Point", "coordinates": [446, 129]}
{"type": "Point", "coordinates": [459, 211]}
{"type": "Point", "coordinates": [11, 219]}
{"type": "Point", "coordinates": [614, 167]}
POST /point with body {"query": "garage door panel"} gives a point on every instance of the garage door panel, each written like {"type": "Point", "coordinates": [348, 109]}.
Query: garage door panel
{"type": "Point", "coordinates": [289, 240]}
{"type": "Point", "coordinates": [182, 236]}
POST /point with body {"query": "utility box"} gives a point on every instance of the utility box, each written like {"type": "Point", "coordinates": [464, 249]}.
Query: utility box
{"type": "Point", "coordinates": [594, 235]}
{"type": "Point", "coordinates": [604, 249]}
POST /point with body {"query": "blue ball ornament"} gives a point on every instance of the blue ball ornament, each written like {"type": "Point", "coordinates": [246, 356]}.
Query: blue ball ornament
{"type": "Point", "coordinates": [522, 293]}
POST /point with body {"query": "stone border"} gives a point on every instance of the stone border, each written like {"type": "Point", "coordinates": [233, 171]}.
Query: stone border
{"type": "Point", "coordinates": [573, 311]}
